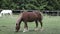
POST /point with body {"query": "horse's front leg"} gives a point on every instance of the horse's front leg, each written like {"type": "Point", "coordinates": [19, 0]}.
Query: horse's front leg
{"type": "Point", "coordinates": [3, 14]}
{"type": "Point", "coordinates": [25, 27]}
{"type": "Point", "coordinates": [36, 25]}
{"type": "Point", "coordinates": [0, 14]}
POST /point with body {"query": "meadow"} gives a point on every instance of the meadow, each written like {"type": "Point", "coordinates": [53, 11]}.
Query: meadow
{"type": "Point", "coordinates": [51, 25]}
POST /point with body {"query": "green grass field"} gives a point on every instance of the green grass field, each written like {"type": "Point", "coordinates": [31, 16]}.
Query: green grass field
{"type": "Point", "coordinates": [51, 25]}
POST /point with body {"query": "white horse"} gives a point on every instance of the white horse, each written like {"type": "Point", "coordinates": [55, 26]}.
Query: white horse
{"type": "Point", "coordinates": [3, 12]}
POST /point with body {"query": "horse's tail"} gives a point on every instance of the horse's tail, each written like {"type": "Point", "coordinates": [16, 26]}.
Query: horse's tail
{"type": "Point", "coordinates": [41, 15]}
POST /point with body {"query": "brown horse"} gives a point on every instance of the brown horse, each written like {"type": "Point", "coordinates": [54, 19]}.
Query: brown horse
{"type": "Point", "coordinates": [28, 17]}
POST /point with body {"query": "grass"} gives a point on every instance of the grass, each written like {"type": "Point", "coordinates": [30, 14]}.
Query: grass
{"type": "Point", "coordinates": [51, 25]}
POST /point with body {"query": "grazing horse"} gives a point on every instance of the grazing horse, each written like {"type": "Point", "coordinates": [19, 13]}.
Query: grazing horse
{"type": "Point", "coordinates": [3, 12]}
{"type": "Point", "coordinates": [28, 17]}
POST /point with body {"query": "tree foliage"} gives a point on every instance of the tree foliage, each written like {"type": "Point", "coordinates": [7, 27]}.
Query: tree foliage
{"type": "Point", "coordinates": [30, 4]}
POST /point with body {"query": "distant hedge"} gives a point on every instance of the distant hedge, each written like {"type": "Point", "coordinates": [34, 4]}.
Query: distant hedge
{"type": "Point", "coordinates": [30, 4]}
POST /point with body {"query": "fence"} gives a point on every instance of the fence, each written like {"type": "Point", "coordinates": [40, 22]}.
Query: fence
{"type": "Point", "coordinates": [52, 13]}
{"type": "Point", "coordinates": [45, 12]}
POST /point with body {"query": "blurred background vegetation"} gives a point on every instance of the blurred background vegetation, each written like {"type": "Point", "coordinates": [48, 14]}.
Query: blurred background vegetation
{"type": "Point", "coordinates": [30, 4]}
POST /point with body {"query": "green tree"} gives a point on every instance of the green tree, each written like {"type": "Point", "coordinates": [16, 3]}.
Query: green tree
{"type": "Point", "coordinates": [30, 4]}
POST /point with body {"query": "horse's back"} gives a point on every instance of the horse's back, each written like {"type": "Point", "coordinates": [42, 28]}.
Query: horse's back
{"type": "Point", "coordinates": [30, 16]}
{"type": "Point", "coordinates": [6, 11]}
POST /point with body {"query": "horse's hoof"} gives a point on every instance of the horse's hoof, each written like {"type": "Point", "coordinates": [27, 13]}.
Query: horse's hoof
{"type": "Point", "coordinates": [41, 29]}
{"type": "Point", "coordinates": [36, 29]}
{"type": "Point", "coordinates": [25, 30]}
{"type": "Point", "coordinates": [16, 31]}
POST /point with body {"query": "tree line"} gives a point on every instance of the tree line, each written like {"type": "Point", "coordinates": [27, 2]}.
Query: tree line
{"type": "Point", "coordinates": [30, 4]}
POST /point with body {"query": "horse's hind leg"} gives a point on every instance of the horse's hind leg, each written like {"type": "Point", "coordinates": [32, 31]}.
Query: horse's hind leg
{"type": "Point", "coordinates": [11, 14]}
{"type": "Point", "coordinates": [36, 26]}
{"type": "Point", "coordinates": [25, 27]}
{"type": "Point", "coordinates": [41, 25]}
